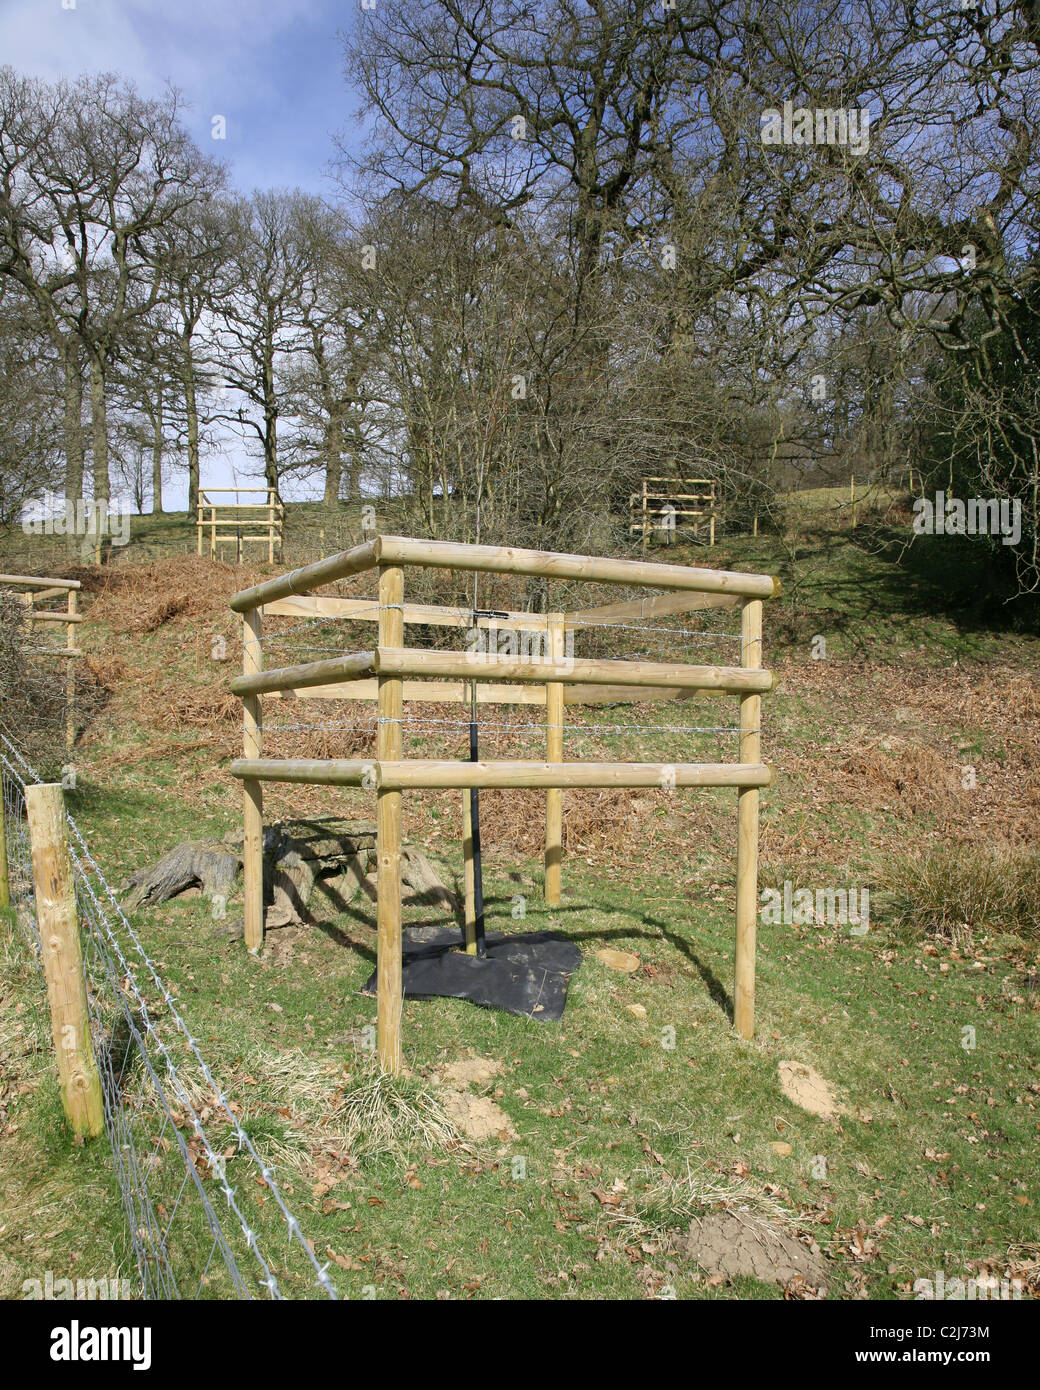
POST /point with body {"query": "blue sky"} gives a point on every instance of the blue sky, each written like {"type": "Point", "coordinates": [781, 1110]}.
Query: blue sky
{"type": "Point", "coordinates": [272, 68]}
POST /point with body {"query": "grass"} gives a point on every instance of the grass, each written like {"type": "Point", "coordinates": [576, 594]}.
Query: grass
{"type": "Point", "coordinates": [623, 1127]}
{"type": "Point", "coordinates": [952, 894]}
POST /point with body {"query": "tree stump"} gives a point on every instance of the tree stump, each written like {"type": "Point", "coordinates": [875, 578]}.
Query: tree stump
{"type": "Point", "coordinates": [342, 853]}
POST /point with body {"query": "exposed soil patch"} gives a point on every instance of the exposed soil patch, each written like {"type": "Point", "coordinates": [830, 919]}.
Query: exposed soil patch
{"type": "Point", "coordinates": [471, 1071]}
{"type": "Point", "coordinates": [477, 1116]}
{"type": "Point", "coordinates": [733, 1244]}
{"type": "Point", "coordinates": [807, 1088]}
{"type": "Point", "coordinates": [624, 961]}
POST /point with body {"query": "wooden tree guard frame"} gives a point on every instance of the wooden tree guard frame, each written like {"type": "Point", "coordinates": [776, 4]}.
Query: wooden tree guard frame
{"type": "Point", "coordinates": [219, 518]}
{"type": "Point", "coordinates": [392, 673]}
{"type": "Point", "coordinates": [37, 589]}
{"type": "Point", "coordinates": [672, 498]}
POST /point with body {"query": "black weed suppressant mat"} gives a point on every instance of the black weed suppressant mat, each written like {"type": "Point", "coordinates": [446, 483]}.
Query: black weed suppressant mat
{"type": "Point", "coordinates": [524, 974]}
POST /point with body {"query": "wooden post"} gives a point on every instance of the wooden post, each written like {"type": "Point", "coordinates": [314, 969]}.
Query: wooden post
{"type": "Point", "coordinates": [252, 790]}
{"type": "Point", "coordinates": [711, 504]}
{"type": "Point", "coordinates": [645, 521]}
{"type": "Point", "coordinates": [5, 882]}
{"type": "Point", "coordinates": [198, 526]}
{"type": "Point", "coordinates": [555, 640]}
{"type": "Point", "coordinates": [747, 828]}
{"type": "Point", "coordinates": [63, 959]}
{"type": "Point", "coordinates": [390, 988]}
{"type": "Point", "coordinates": [213, 531]}
{"type": "Point", "coordinates": [70, 675]}
{"type": "Point", "coordinates": [469, 872]}
{"type": "Point", "coordinates": [270, 526]}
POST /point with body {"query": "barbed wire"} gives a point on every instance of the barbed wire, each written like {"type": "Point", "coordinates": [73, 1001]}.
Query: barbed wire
{"type": "Point", "coordinates": [121, 1018]}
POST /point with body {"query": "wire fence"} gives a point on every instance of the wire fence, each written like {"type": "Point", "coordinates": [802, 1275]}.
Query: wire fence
{"type": "Point", "coordinates": [204, 1214]}
{"type": "Point", "coordinates": [347, 726]}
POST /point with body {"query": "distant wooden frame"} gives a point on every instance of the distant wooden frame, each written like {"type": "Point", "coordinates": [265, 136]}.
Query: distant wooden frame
{"type": "Point", "coordinates": [219, 518]}
{"type": "Point", "coordinates": [35, 589]}
{"type": "Point", "coordinates": [666, 498]}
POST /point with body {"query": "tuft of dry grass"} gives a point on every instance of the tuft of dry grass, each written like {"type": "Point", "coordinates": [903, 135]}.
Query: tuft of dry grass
{"type": "Point", "coordinates": [347, 1116]}
{"type": "Point", "coordinates": [692, 1194]}
{"type": "Point", "coordinates": [956, 892]}
{"type": "Point", "coordinates": [387, 1116]}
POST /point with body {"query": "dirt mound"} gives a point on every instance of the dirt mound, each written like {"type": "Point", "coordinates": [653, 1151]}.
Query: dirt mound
{"type": "Point", "coordinates": [471, 1071]}
{"type": "Point", "coordinates": [477, 1116]}
{"type": "Point", "coordinates": [807, 1088]}
{"type": "Point", "coordinates": [734, 1244]}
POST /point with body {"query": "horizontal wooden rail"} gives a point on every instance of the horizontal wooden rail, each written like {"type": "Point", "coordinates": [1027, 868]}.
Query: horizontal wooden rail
{"type": "Point", "coordinates": [405, 661]}
{"type": "Point", "coordinates": [656, 606]}
{"type": "Point", "coordinates": [491, 693]}
{"type": "Point", "coordinates": [433, 774]}
{"type": "Point", "coordinates": [26, 581]}
{"type": "Point", "coordinates": [328, 772]}
{"type": "Point", "coordinates": [429, 692]}
{"type": "Point", "coordinates": [367, 610]}
{"type": "Point", "coordinates": [568, 670]}
{"type": "Point", "coordinates": [362, 557]}
{"type": "Point", "coordinates": [338, 668]}
{"type": "Point", "coordinates": [420, 773]}
{"type": "Point", "coordinates": [672, 496]}
{"type": "Point", "coordinates": [50, 616]}
{"type": "Point", "coordinates": [494, 559]}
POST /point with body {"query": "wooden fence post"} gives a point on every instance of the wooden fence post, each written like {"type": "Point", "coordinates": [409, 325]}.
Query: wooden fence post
{"type": "Point", "coordinates": [252, 790]}
{"type": "Point", "coordinates": [469, 873]}
{"type": "Point", "coordinates": [390, 988]}
{"type": "Point", "coordinates": [554, 709]}
{"type": "Point", "coordinates": [70, 675]}
{"type": "Point", "coordinates": [63, 959]}
{"type": "Point", "coordinates": [5, 882]}
{"type": "Point", "coordinates": [747, 827]}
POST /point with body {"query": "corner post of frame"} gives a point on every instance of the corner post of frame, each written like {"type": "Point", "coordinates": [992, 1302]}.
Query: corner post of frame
{"type": "Point", "coordinates": [252, 789]}
{"type": "Point", "coordinates": [747, 827]}
{"type": "Point", "coordinates": [390, 987]}
{"type": "Point", "coordinates": [70, 674]}
{"type": "Point", "coordinates": [554, 713]}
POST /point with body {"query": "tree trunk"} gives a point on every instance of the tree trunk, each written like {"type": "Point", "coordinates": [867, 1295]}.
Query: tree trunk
{"type": "Point", "coordinates": [333, 460]}
{"type": "Point", "coordinates": [192, 413]}
{"type": "Point", "coordinates": [157, 454]}
{"type": "Point", "coordinates": [270, 426]}
{"type": "Point", "coordinates": [102, 486]}
{"type": "Point", "coordinates": [73, 423]}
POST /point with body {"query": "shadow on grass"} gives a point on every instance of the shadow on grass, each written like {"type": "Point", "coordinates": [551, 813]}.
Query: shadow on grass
{"type": "Point", "coordinates": [881, 578]}
{"type": "Point", "coordinates": [652, 929]}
